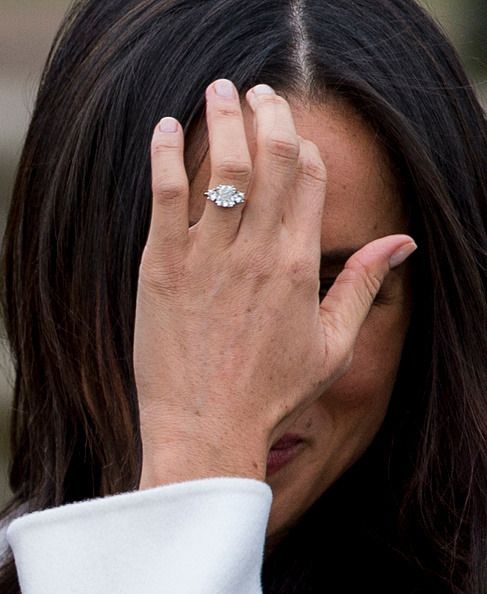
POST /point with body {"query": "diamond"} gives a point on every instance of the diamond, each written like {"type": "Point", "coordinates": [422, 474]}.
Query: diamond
{"type": "Point", "coordinates": [225, 195]}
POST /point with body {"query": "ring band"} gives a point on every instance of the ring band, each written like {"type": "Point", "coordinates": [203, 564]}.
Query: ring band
{"type": "Point", "coordinates": [225, 195]}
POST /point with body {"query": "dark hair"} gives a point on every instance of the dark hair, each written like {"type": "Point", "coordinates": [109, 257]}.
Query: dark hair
{"type": "Point", "coordinates": [411, 514]}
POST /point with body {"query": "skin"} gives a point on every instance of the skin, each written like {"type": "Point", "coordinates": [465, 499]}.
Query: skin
{"type": "Point", "coordinates": [230, 303]}
{"type": "Point", "coordinates": [362, 204]}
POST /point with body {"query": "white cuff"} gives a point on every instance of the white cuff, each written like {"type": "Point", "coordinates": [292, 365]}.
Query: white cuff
{"type": "Point", "coordinates": [203, 536]}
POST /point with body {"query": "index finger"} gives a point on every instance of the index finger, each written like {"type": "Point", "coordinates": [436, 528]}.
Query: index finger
{"type": "Point", "coordinates": [170, 189]}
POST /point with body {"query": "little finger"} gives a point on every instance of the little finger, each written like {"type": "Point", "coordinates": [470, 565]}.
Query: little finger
{"type": "Point", "coordinates": [304, 210]}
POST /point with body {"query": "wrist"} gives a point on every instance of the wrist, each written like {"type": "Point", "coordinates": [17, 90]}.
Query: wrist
{"type": "Point", "coordinates": [183, 460]}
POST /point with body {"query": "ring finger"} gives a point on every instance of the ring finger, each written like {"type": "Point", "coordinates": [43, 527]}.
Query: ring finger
{"type": "Point", "coordinates": [230, 161]}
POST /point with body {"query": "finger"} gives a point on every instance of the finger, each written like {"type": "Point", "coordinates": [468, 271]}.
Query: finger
{"type": "Point", "coordinates": [230, 161]}
{"type": "Point", "coordinates": [304, 211]}
{"type": "Point", "coordinates": [170, 190]}
{"type": "Point", "coordinates": [347, 303]}
{"type": "Point", "coordinates": [275, 162]}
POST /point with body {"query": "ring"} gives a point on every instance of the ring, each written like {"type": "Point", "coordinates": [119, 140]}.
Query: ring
{"type": "Point", "coordinates": [223, 195]}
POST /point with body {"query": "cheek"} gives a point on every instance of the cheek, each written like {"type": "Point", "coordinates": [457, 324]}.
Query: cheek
{"type": "Point", "coordinates": [347, 416]}
{"type": "Point", "coordinates": [368, 384]}
{"type": "Point", "coordinates": [344, 420]}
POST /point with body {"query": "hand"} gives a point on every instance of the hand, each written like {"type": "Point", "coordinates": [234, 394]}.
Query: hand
{"type": "Point", "coordinates": [231, 342]}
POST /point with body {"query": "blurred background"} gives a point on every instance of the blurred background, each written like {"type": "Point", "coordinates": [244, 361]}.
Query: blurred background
{"type": "Point", "coordinates": [27, 28]}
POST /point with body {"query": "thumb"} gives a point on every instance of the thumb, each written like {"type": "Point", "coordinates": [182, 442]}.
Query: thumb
{"type": "Point", "coordinates": [348, 301]}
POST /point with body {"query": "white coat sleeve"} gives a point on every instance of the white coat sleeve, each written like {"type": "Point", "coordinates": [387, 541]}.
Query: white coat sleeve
{"type": "Point", "coordinates": [203, 536]}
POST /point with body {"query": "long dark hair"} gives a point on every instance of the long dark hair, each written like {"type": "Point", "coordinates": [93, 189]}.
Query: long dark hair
{"type": "Point", "coordinates": [411, 514]}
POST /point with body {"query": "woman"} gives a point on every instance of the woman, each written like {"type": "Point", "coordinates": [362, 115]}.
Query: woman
{"type": "Point", "coordinates": [351, 435]}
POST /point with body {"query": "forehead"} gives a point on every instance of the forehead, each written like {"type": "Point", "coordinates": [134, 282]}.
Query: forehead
{"type": "Point", "coordinates": [362, 197]}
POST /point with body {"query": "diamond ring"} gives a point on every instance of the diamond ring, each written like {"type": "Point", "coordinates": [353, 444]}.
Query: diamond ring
{"type": "Point", "coordinates": [226, 196]}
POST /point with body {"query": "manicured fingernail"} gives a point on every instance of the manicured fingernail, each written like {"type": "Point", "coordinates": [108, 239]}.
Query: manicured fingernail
{"type": "Point", "coordinates": [168, 125]}
{"type": "Point", "coordinates": [224, 88]}
{"type": "Point", "coordinates": [402, 254]}
{"type": "Point", "coordinates": [263, 90]}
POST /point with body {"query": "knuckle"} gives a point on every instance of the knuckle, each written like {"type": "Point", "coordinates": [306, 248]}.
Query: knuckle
{"type": "Point", "coordinates": [312, 170]}
{"type": "Point", "coordinates": [166, 189]}
{"type": "Point", "coordinates": [227, 111]}
{"type": "Point", "coordinates": [162, 144]}
{"type": "Point", "coordinates": [263, 100]}
{"type": "Point", "coordinates": [312, 149]}
{"type": "Point", "coordinates": [283, 147]}
{"type": "Point", "coordinates": [372, 283]}
{"type": "Point", "coordinates": [362, 276]}
{"type": "Point", "coordinates": [232, 168]}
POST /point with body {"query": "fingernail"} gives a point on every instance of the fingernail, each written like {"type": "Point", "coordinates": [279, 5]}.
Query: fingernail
{"type": "Point", "coordinates": [224, 88]}
{"type": "Point", "coordinates": [168, 125]}
{"type": "Point", "coordinates": [402, 254]}
{"type": "Point", "coordinates": [263, 90]}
